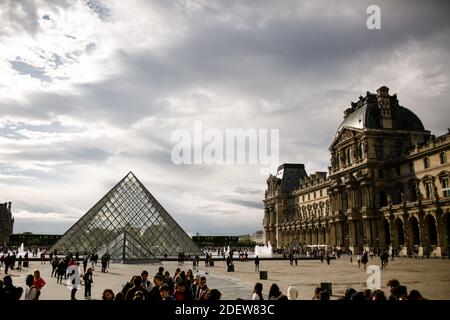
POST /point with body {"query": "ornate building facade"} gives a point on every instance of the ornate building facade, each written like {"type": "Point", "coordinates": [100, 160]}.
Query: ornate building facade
{"type": "Point", "coordinates": [6, 222]}
{"type": "Point", "coordinates": [387, 186]}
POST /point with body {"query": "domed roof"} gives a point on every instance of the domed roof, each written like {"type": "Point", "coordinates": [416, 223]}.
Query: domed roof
{"type": "Point", "coordinates": [366, 114]}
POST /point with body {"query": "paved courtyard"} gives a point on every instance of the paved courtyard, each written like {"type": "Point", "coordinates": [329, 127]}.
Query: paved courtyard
{"type": "Point", "coordinates": [430, 276]}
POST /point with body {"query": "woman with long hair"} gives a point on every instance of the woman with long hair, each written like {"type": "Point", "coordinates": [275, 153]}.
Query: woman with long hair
{"type": "Point", "coordinates": [274, 292]}
{"type": "Point", "coordinates": [257, 292]}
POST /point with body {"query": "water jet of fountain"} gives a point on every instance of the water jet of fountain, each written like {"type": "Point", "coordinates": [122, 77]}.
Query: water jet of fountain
{"type": "Point", "coordinates": [264, 251]}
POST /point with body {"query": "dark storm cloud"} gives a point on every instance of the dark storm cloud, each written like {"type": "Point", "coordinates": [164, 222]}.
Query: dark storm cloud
{"type": "Point", "coordinates": [256, 61]}
{"type": "Point", "coordinates": [306, 60]}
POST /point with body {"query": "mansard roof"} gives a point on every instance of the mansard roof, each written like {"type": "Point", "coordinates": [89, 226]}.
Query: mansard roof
{"type": "Point", "coordinates": [290, 175]}
{"type": "Point", "coordinates": [366, 113]}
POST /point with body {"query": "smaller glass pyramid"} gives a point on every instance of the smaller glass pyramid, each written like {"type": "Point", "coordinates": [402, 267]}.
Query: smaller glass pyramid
{"type": "Point", "coordinates": [126, 248]}
{"type": "Point", "coordinates": [130, 219]}
{"type": "Point", "coordinates": [296, 244]}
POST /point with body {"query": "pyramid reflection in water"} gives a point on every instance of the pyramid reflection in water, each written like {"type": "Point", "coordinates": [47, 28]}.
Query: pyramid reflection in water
{"type": "Point", "coordinates": [130, 225]}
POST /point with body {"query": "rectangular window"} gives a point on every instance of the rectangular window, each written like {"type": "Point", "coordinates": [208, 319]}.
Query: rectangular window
{"type": "Point", "coordinates": [303, 197]}
{"type": "Point", "coordinates": [378, 149]}
{"type": "Point", "coordinates": [320, 192]}
{"type": "Point", "coordinates": [413, 192]}
{"type": "Point", "coordinates": [426, 162]}
{"type": "Point", "coordinates": [398, 171]}
{"type": "Point", "coordinates": [380, 173]}
{"type": "Point", "coordinates": [428, 190]}
{"type": "Point", "coordinates": [314, 194]}
{"type": "Point", "coordinates": [445, 188]}
{"type": "Point", "coordinates": [309, 197]}
{"type": "Point", "coordinates": [383, 199]}
{"type": "Point", "coordinates": [443, 157]}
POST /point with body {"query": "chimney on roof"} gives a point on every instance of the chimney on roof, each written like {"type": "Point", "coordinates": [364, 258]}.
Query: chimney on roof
{"type": "Point", "coordinates": [9, 207]}
{"type": "Point", "coordinates": [385, 107]}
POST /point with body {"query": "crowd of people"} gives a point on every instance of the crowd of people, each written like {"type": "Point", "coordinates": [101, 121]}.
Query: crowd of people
{"type": "Point", "coordinates": [183, 285]}
{"type": "Point", "coordinates": [396, 292]}
{"type": "Point", "coordinates": [33, 286]}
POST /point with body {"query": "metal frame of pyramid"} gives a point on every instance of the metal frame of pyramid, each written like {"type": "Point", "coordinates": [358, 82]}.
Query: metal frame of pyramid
{"type": "Point", "coordinates": [295, 244]}
{"type": "Point", "coordinates": [129, 207]}
{"type": "Point", "coordinates": [125, 248]}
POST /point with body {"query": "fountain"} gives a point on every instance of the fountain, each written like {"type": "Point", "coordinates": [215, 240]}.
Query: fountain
{"type": "Point", "coordinates": [21, 251]}
{"type": "Point", "coordinates": [264, 251]}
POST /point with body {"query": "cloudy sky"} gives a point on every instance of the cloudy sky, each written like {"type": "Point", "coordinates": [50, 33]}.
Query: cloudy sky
{"type": "Point", "coordinates": [90, 90]}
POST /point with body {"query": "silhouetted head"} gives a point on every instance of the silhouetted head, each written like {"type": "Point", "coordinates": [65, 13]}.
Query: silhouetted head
{"type": "Point", "coordinates": [108, 294]}
{"type": "Point", "coordinates": [378, 295]}
{"type": "Point", "coordinates": [29, 280]}
{"type": "Point", "coordinates": [137, 281]}
{"type": "Point", "coordinates": [274, 290]}
{"type": "Point", "coordinates": [258, 288]}
{"type": "Point", "coordinates": [7, 281]}
{"type": "Point", "coordinates": [349, 292]}
{"type": "Point", "coordinates": [415, 295]}
{"type": "Point", "coordinates": [213, 295]}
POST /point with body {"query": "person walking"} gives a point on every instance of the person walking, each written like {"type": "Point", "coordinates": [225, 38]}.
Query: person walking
{"type": "Point", "coordinates": [257, 263]}
{"type": "Point", "coordinates": [92, 260]}
{"type": "Point", "coordinates": [365, 259]}
{"type": "Point", "coordinates": [85, 263]}
{"type": "Point", "coordinates": [54, 266]}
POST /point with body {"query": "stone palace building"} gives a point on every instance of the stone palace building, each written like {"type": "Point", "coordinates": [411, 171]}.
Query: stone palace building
{"type": "Point", "coordinates": [387, 186]}
{"type": "Point", "coordinates": [6, 222]}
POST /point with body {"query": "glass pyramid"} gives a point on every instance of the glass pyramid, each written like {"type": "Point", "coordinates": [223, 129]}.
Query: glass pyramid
{"type": "Point", "coordinates": [127, 249]}
{"type": "Point", "coordinates": [296, 244]}
{"type": "Point", "coordinates": [128, 210]}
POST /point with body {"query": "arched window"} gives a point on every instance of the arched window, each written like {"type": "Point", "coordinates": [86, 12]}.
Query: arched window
{"type": "Point", "coordinates": [426, 162]}
{"type": "Point", "coordinates": [443, 157]}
